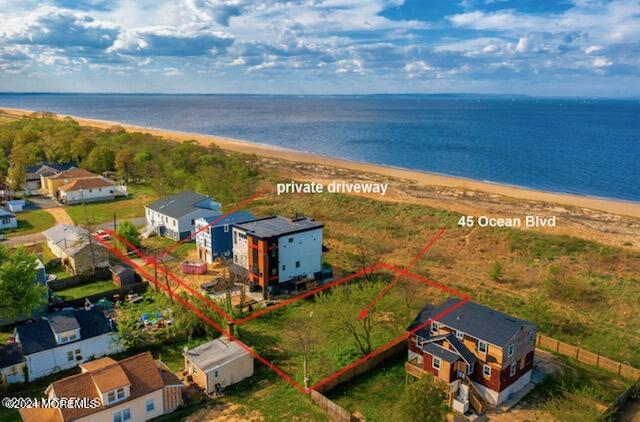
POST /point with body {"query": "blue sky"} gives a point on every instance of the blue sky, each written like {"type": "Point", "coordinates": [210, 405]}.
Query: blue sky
{"type": "Point", "coordinates": [535, 47]}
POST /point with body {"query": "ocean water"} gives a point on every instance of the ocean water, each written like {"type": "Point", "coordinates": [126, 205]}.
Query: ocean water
{"type": "Point", "coordinates": [589, 147]}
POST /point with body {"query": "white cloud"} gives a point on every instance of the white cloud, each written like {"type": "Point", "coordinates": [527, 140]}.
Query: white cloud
{"type": "Point", "coordinates": [417, 68]}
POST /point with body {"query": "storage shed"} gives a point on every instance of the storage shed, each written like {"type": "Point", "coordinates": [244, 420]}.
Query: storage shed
{"type": "Point", "coordinates": [123, 275]}
{"type": "Point", "coordinates": [218, 364]}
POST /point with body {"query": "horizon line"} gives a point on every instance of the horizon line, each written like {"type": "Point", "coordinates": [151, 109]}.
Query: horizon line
{"type": "Point", "coordinates": [378, 94]}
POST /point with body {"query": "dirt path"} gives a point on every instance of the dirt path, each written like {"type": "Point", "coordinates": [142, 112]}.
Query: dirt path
{"type": "Point", "coordinates": [225, 412]}
{"type": "Point", "coordinates": [60, 215]}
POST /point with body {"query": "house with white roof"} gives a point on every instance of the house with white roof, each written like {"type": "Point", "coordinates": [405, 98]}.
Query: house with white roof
{"type": "Point", "coordinates": [77, 250]}
{"type": "Point", "coordinates": [218, 364]}
{"type": "Point", "coordinates": [8, 220]}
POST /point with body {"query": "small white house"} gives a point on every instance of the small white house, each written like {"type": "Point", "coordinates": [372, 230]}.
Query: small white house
{"type": "Point", "coordinates": [218, 364]}
{"type": "Point", "coordinates": [58, 341]}
{"type": "Point", "coordinates": [174, 217]}
{"type": "Point", "coordinates": [16, 205]}
{"type": "Point", "coordinates": [87, 190]}
{"type": "Point", "coordinates": [8, 220]}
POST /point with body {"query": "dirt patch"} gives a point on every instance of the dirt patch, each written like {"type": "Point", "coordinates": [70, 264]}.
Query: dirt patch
{"type": "Point", "coordinates": [60, 215]}
{"type": "Point", "coordinates": [229, 412]}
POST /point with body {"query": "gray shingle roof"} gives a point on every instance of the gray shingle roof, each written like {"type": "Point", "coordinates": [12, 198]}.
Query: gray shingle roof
{"type": "Point", "coordinates": [5, 213]}
{"type": "Point", "coordinates": [10, 355]}
{"type": "Point", "coordinates": [177, 205]}
{"type": "Point", "coordinates": [236, 217]}
{"type": "Point", "coordinates": [276, 225]}
{"type": "Point", "coordinates": [36, 336]}
{"type": "Point", "coordinates": [475, 320]}
{"type": "Point", "coordinates": [461, 349]}
{"type": "Point", "coordinates": [63, 321]}
{"type": "Point", "coordinates": [214, 353]}
{"type": "Point", "coordinates": [439, 351]}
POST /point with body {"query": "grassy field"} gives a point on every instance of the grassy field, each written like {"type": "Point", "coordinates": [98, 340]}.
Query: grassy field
{"type": "Point", "coordinates": [102, 212]}
{"type": "Point", "coordinates": [29, 222]}
{"type": "Point", "coordinates": [86, 290]}
{"type": "Point", "coordinates": [321, 329]}
{"type": "Point", "coordinates": [578, 291]}
{"type": "Point", "coordinates": [163, 243]}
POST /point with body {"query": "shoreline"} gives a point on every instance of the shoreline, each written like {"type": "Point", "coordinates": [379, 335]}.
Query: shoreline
{"type": "Point", "coordinates": [613, 206]}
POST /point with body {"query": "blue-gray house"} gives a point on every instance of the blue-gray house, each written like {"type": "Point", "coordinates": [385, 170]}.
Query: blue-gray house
{"type": "Point", "coordinates": [213, 238]}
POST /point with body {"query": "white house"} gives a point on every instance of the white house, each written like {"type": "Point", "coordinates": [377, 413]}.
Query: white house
{"type": "Point", "coordinates": [16, 205]}
{"type": "Point", "coordinates": [87, 190]}
{"type": "Point", "coordinates": [218, 364]}
{"type": "Point", "coordinates": [137, 388]}
{"type": "Point", "coordinates": [59, 341]}
{"type": "Point", "coordinates": [8, 220]}
{"type": "Point", "coordinates": [174, 217]}
{"type": "Point", "coordinates": [276, 250]}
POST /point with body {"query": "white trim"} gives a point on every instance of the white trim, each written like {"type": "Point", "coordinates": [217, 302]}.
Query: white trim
{"type": "Point", "coordinates": [433, 363]}
{"type": "Point", "coordinates": [486, 347]}
{"type": "Point", "coordinates": [513, 369]}
{"type": "Point", "coordinates": [484, 371]}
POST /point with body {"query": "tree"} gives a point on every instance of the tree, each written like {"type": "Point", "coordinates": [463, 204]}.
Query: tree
{"type": "Point", "coordinates": [100, 159]}
{"type": "Point", "coordinates": [124, 164]}
{"type": "Point", "coordinates": [422, 400]}
{"type": "Point", "coordinates": [496, 271]}
{"type": "Point", "coordinates": [20, 294]}
{"type": "Point", "coordinates": [304, 340]}
{"type": "Point", "coordinates": [17, 176]}
{"type": "Point", "coordinates": [130, 233]}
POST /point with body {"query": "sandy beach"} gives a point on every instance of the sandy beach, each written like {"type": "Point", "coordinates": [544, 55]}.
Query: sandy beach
{"type": "Point", "coordinates": [618, 207]}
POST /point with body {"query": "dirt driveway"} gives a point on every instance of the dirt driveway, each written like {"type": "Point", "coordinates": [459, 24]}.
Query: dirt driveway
{"type": "Point", "coordinates": [60, 215]}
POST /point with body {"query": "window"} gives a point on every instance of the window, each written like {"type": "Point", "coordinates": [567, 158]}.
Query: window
{"type": "Point", "coordinates": [226, 228]}
{"type": "Point", "coordinates": [235, 258]}
{"type": "Point", "coordinates": [215, 373]}
{"type": "Point", "coordinates": [123, 415]}
{"type": "Point", "coordinates": [510, 350]}
{"type": "Point", "coordinates": [459, 334]}
{"type": "Point", "coordinates": [512, 370]}
{"type": "Point", "coordinates": [120, 393]}
{"type": "Point", "coordinates": [486, 371]}
{"type": "Point", "coordinates": [111, 396]}
{"type": "Point", "coordinates": [150, 405]}
{"type": "Point", "coordinates": [436, 363]}
{"type": "Point", "coordinates": [434, 327]}
{"type": "Point", "coordinates": [291, 240]}
{"type": "Point", "coordinates": [297, 264]}
{"type": "Point", "coordinates": [284, 267]}
{"type": "Point", "coordinates": [70, 355]}
{"type": "Point", "coordinates": [235, 237]}
{"type": "Point", "coordinates": [532, 336]}
{"type": "Point", "coordinates": [482, 346]}
{"type": "Point", "coordinates": [471, 368]}
{"type": "Point", "coordinates": [193, 222]}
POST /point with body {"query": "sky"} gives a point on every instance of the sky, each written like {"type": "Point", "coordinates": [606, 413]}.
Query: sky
{"type": "Point", "coordinates": [587, 48]}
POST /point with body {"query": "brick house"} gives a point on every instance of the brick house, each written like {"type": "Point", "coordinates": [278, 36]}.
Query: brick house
{"type": "Point", "coordinates": [489, 351]}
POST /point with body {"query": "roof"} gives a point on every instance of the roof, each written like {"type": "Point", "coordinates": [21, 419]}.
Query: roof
{"type": "Point", "coordinates": [235, 217]}
{"type": "Point", "coordinates": [11, 354]}
{"type": "Point", "coordinates": [97, 182]}
{"type": "Point", "coordinates": [143, 374]}
{"type": "Point", "coordinates": [94, 365]}
{"type": "Point", "coordinates": [63, 321]}
{"type": "Point", "coordinates": [38, 335]}
{"type": "Point", "coordinates": [435, 350]}
{"type": "Point", "coordinates": [475, 320]}
{"type": "Point", "coordinates": [54, 166]}
{"type": "Point", "coordinates": [5, 213]}
{"type": "Point", "coordinates": [60, 232]}
{"type": "Point", "coordinates": [73, 174]}
{"type": "Point", "coordinates": [214, 353]}
{"type": "Point", "coordinates": [119, 269]}
{"type": "Point", "coordinates": [51, 414]}
{"type": "Point", "coordinates": [461, 349]}
{"type": "Point", "coordinates": [69, 238]}
{"type": "Point", "coordinates": [180, 204]}
{"type": "Point", "coordinates": [275, 226]}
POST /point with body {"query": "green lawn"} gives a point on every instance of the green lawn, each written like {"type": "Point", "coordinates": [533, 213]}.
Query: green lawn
{"type": "Point", "coordinates": [102, 212]}
{"type": "Point", "coordinates": [52, 266]}
{"type": "Point", "coordinates": [373, 393]}
{"type": "Point", "coordinates": [31, 222]}
{"type": "Point", "coordinates": [86, 290]}
{"type": "Point", "coordinates": [163, 243]}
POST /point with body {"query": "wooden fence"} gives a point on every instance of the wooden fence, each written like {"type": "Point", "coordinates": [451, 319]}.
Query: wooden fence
{"type": "Point", "coordinates": [585, 356]}
{"type": "Point", "coordinates": [363, 367]}
{"type": "Point", "coordinates": [333, 410]}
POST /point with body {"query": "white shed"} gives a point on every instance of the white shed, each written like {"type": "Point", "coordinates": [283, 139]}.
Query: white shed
{"type": "Point", "coordinates": [218, 364]}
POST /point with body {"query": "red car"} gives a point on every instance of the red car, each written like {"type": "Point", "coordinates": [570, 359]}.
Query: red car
{"type": "Point", "coordinates": [103, 235]}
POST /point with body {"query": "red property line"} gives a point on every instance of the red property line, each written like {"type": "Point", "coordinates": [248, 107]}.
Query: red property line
{"type": "Point", "coordinates": [307, 294]}
{"type": "Point", "coordinates": [237, 208]}
{"type": "Point", "coordinates": [205, 318]}
{"type": "Point", "coordinates": [389, 286]}
{"type": "Point", "coordinates": [151, 261]}
{"type": "Point", "coordinates": [426, 280]}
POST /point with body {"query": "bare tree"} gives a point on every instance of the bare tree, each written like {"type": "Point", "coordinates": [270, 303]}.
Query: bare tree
{"type": "Point", "coordinates": [365, 261]}
{"type": "Point", "coordinates": [304, 339]}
